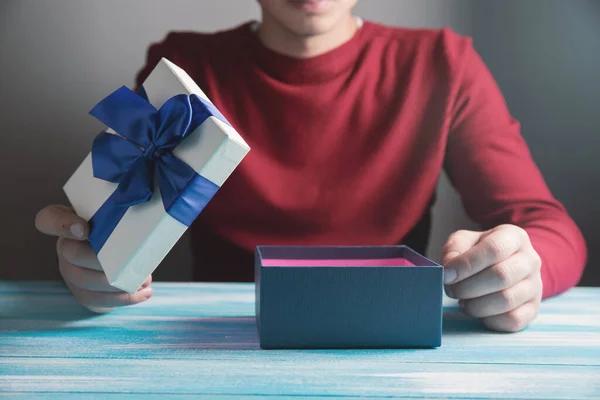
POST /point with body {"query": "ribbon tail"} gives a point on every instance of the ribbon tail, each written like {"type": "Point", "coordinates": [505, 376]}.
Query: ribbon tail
{"type": "Point", "coordinates": [185, 193]}
{"type": "Point", "coordinates": [202, 109]}
{"type": "Point", "coordinates": [104, 222]}
{"type": "Point", "coordinates": [192, 200]}
{"type": "Point", "coordinates": [135, 188]}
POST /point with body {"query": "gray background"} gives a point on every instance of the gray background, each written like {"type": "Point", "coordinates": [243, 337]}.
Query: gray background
{"type": "Point", "coordinates": [59, 57]}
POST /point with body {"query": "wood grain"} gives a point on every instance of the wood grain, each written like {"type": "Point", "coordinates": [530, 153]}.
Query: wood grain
{"type": "Point", "coordinates": [200, 339]}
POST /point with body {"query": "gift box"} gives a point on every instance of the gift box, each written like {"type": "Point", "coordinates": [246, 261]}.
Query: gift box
{"type": "Point", "coordinates": [347, 297]}
{"type": "Point", "coordinates": [165, 152]}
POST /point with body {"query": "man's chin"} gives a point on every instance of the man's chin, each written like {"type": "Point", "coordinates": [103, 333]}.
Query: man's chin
{"type": "Point", "coordinates": [314, 26]}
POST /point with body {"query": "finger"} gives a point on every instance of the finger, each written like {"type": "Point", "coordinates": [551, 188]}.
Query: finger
{"type": "Point", "coordinates": [491, 249]}
{"type": "Point", "coordinates": [81, 268]}
{"type": "Point", "coordinates": [147, 282]}
{"type": "Point", "coordinates": [79, 253]}
{"type": "Point", "coordinates": [83, 278]}
{"type": "Point", "coordinates": [61, 221]}
{"type": "Point", "coordinates": [77, 293]}
{"type": "Point", "coordinates": [458, 243]}
{"type": "Point", "coordinates": [500, 302]}
{"type": "Point", "coordinates": [515, 320]}
{"type": "Point", "coordinates": [500, 276]}
{"type": "Point", "coordinates": [100, 310]}
{"type": "Point", "coordinates": [108, 300]}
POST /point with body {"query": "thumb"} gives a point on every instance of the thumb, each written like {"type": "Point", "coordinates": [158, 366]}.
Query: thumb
{"type": "Point", "coordinates": [458, 243]}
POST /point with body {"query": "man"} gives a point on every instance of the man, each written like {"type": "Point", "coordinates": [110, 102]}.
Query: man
{"type": "Point", "coordinates": [350, 124]}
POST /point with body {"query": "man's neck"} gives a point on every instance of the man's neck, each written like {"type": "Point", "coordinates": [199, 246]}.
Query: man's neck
{"type": "Point", "coordinates": [281, 40]}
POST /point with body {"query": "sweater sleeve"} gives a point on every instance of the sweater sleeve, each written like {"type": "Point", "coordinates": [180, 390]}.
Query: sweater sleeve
{"type": "Point", "coordinates": [490, 165]}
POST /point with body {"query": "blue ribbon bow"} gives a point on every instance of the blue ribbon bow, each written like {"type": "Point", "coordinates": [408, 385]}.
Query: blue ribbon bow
{"type": "Point", "coordinates": [142, 152]}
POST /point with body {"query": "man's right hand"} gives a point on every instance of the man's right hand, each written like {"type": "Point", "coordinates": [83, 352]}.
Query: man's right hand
{"type": "Point", "coordinates": [79, 265]}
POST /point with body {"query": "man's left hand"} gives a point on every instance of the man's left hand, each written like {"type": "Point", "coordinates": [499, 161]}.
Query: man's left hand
{"type": "Point", "coordinates": [495, 275]}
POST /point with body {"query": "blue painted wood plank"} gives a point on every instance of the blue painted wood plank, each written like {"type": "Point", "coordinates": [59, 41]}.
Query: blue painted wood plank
{"type": "Point", "coordinates": [201, 338]}
{"type": "Point", "coordinates": [180, 338]}
{"type": "Point", "coordinates": [284, 376]}
{"type": "Point", "coordinates": [187, 321]}
{"type": "Point", "coordinates": [176, 396]}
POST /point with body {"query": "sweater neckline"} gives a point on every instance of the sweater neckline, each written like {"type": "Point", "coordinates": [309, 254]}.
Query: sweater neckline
{"type": "Point", "coordinates": [317, 69]}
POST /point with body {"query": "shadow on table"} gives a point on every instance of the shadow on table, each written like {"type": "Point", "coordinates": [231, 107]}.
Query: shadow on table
{"type": "Point", "coordinates": [240, 333]}
{"type": "Point", "coordinates": [457, 323]}
{"type": "Point", "coordinates": [225, 333]}
{"type": "Point", "coordinates": [32, 307]}
{"type": "Point", "coordinates": [53, 308]}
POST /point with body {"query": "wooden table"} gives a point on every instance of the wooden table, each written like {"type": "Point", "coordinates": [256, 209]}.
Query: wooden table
{"type": "Point", "coordinates": [199, 340]}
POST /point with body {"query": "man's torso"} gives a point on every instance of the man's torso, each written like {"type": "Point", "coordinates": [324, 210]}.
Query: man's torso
{"type": "Point", "coordinates": [346, 148]}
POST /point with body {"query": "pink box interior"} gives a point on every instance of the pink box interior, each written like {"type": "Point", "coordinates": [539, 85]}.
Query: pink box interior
{"type": "Point", "coordinates": [368, 262]}
{"type": "Point", "coordinates": [340, 256]}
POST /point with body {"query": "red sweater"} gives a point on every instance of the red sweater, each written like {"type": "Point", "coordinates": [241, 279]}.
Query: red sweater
{"type": "Point", "coordinates": [347, 147]}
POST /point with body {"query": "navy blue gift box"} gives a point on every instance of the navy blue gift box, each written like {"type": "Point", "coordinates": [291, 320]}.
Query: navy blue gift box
{"type": "Point", "coordinates": [347, 297]}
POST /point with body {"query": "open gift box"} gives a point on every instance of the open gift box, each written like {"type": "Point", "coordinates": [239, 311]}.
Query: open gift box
{"type": "Point", "coordinates": [325, 297]}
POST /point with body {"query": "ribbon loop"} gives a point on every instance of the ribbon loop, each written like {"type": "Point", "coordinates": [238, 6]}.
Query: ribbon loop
{"type": "Point", "coordinates": [127, 114]}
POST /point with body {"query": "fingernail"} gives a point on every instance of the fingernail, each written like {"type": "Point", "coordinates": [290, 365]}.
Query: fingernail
{"type": "Point", "coordinates": [78, 230]}
{"type": "Point", "coordinates": [449, 275]}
